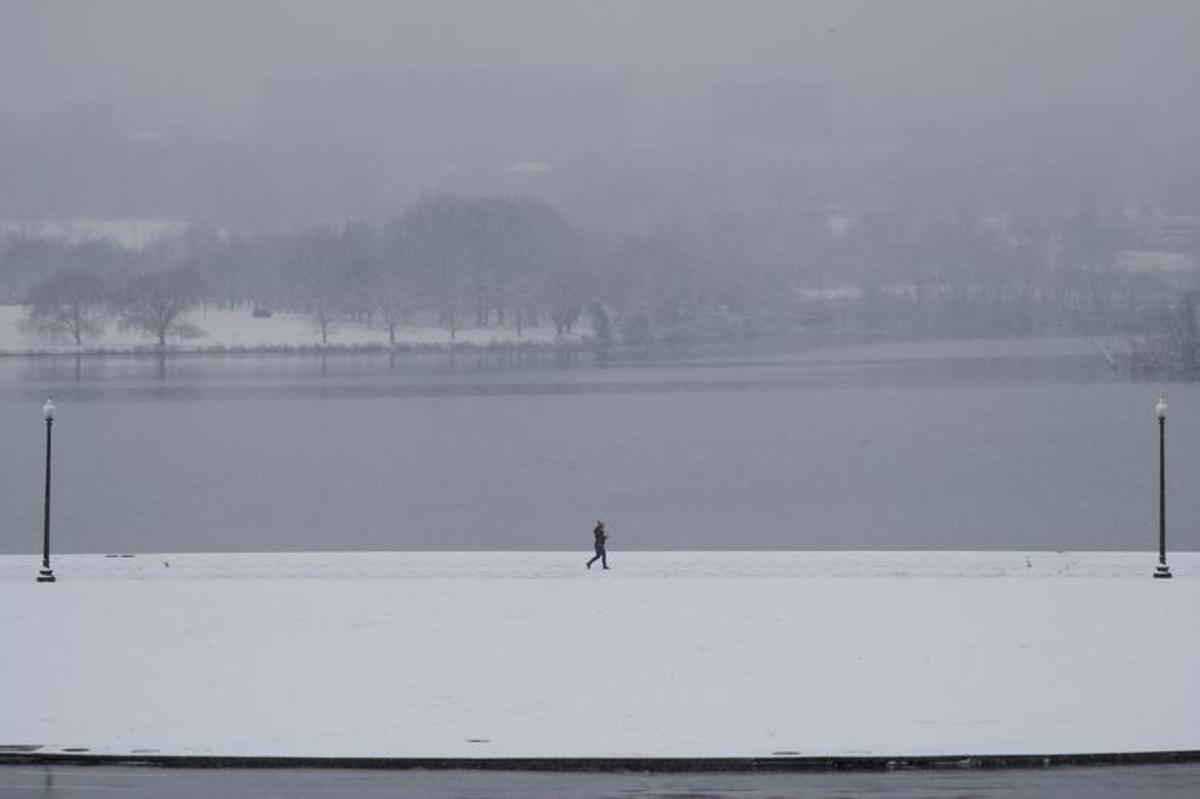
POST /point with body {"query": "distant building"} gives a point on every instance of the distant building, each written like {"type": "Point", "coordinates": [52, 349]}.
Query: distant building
{"type": "Point", "coordinates": [1180, 232]}
{"type": "Point", "coordinates": [1153, 278]}
{"type": "Point", "coordinates": [1150, 262]}
{"type": "Point", "coordinates": [769, 115]}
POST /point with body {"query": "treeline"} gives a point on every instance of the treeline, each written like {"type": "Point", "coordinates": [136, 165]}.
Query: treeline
{"type": "Point", "coordinates": [453, 261]}
{"type": "Point", "coordinates": [517, 262]}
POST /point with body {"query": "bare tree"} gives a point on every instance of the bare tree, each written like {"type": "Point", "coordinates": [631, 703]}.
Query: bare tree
{"type": "Point", "coordinates": [485, 255]}
{"type": "Point", "coordinates": [393, 280]}
{"type": "Point", "coordinates": [391, 299]}
{"type": "Point", "coordinates": [68, 302]}
{"type": "Point", "coordinates": [318, 266]}
{"type": "Point", "coordinates": [154, 303]}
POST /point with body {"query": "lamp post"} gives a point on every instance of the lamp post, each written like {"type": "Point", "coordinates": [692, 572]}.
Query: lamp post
{"type": "Point", "coordinates": [1160, 410]}
{"type": "Point", "coordinates": [46, 575]}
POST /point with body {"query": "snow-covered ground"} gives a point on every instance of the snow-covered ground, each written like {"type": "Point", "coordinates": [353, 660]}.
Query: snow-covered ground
{"type": "Point", "coordinates": [668, 654]}
{"type": "Point", "coordinates": [238, 329]}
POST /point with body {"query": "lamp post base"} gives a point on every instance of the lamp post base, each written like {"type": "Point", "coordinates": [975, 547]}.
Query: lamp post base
{"type": "Point", "coordinates": [46, 575]}
{"type": "Point", "coordinates": [1162, 572]}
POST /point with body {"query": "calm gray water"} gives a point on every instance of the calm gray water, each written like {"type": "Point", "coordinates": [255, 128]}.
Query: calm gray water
{"type": "Point", "coordinates": [977, 445]}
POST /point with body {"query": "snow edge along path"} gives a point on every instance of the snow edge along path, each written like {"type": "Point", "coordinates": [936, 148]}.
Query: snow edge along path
{"type": "Point", "coordinates": [494, 656]}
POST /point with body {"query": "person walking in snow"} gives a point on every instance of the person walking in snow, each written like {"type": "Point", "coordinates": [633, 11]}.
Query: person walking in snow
{"type": "Point", "coordinates": [601, 537]}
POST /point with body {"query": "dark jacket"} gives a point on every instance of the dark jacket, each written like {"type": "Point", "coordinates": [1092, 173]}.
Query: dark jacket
{"type": "Point", "coordinates": [600, 535]}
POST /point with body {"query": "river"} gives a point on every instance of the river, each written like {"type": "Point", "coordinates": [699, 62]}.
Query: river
{"type": "Point", "coordinates": [1024, 444]}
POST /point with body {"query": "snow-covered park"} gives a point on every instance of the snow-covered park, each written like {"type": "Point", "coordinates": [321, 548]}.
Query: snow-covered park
{"type": "Point", "coordinates": [669, 654]}
{"type": "Point", "coordinates": [237, 329]}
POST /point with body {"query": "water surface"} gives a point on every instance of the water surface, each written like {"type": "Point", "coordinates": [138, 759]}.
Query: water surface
{"type": "Point", "coordinates": [964, 445]}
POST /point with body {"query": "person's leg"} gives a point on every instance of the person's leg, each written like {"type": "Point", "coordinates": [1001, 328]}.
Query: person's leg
{"type": "Point", "coordinates": [604, 557]}
{"type": "Point", "coordinates": [593, 560]}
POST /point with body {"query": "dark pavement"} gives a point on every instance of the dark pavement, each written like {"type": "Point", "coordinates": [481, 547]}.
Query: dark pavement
{"type": "Point", "coordinates": [103, 782]}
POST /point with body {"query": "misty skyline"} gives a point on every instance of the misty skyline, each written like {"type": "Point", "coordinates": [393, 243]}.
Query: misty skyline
{"type": "Point", "coordinates": [202, 66]}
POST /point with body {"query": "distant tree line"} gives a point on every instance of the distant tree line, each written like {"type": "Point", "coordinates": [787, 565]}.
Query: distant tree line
{"type": "Point", "coordinates": [517, 262]}
{"type": "Point", "coordinates": [452, 261]}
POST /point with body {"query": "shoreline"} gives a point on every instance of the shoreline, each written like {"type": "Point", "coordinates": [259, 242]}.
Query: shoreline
{"type": "Point", "coordinates": [413, 348]}
{"type": "Point", "coordinates": [678, 765]}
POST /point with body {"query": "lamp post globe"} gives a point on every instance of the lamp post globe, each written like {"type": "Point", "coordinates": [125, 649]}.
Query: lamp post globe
{"type": "Point", "coordinates": [46, 575]}
{"type": "Point", "coordinates": [1162, 571]}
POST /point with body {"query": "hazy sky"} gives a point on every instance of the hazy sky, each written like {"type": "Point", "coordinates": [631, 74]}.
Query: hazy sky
{"type": "Point", "coordinates": [208, 56]}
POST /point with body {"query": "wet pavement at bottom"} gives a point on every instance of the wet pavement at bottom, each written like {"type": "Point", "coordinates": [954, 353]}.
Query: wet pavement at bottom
{"type": "Point", "coordinates": [98, 782]}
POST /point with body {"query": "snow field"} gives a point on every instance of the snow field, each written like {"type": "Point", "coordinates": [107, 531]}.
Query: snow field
{"type": "Point", "coordinates": [668, 655]}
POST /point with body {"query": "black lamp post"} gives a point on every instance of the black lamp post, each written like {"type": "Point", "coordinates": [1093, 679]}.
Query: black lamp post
{"type": "Point", "coordinates": [1160, 410]}
{"type": "Point", "coordinates": [46, 575]}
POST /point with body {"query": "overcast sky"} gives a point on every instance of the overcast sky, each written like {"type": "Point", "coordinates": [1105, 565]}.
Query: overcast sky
{"type": "Point", "coordinates": [159, 56]}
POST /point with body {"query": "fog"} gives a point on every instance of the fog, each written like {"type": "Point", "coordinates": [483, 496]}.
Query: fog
{"type": "Point", "coordinates": [1008, 165]}
{"type": "Point", "coordinates": [179, 63]}
{"type": "Point", "coordinates": [637, 183]}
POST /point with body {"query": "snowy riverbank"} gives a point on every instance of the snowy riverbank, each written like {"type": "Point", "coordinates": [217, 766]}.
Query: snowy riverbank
{"type": "Point", "coordinates": [237, 331]}
{"type": "Point", "coordinates": [677, 654]}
